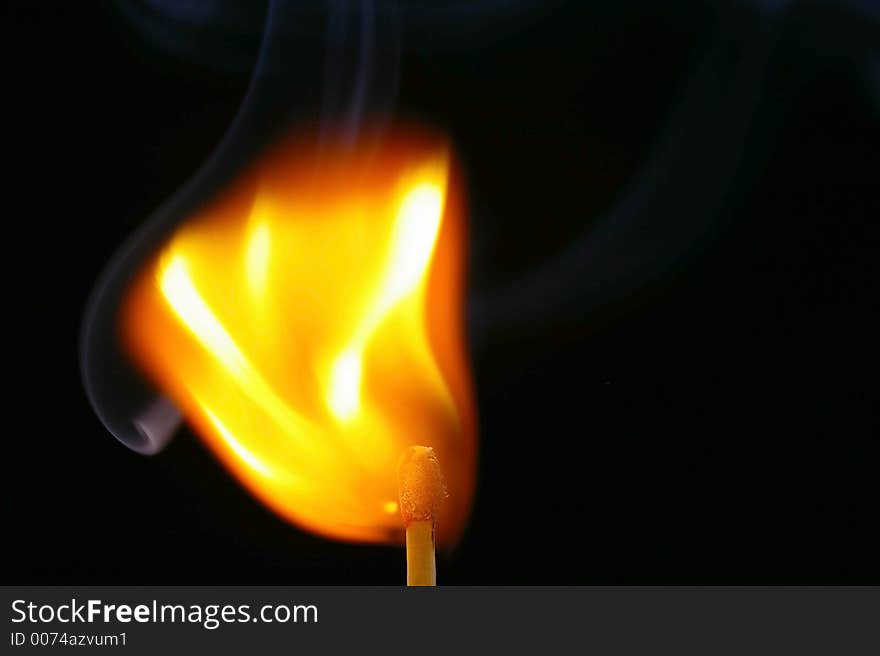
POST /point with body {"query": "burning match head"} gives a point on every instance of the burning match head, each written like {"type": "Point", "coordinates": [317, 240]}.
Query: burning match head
{"type": "Point", "coordinates": [421, 484]}
{"type": "Point", "coordinates": [421, 489]}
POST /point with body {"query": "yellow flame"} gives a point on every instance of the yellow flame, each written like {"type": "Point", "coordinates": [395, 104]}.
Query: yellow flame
{"type": "Point", "coordinates": [308, 324]}
{"type": "Point", "coordinates": [418, 220]}
{"type": "Point", "coordinates": [257, 258]}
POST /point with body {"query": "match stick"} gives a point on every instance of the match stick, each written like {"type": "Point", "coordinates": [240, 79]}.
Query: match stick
{"type": "Point", "coordinates": [421, 489]}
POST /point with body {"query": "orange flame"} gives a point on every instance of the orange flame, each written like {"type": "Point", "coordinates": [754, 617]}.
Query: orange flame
{"type": "Point", "coordinates": [309, 325]}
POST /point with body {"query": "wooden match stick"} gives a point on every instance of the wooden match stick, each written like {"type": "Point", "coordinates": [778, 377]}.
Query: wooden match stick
{"type": "Point", "coordinates": [421, 489]}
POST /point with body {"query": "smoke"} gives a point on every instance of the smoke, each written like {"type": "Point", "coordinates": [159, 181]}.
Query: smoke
{"type": "Point", "coordinates": [304, 45]}
{"type": "Point", "coordinates": [340, 61]}
{"type": "Point", "coordinates": [730, 106]}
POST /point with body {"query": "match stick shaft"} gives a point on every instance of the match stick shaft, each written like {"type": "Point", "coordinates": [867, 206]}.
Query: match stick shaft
{"type": "Point", "coordinates": [420, 566]}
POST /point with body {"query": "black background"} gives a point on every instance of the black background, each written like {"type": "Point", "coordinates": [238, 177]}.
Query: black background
{"type": "Point", "coordinates": [719, 426]}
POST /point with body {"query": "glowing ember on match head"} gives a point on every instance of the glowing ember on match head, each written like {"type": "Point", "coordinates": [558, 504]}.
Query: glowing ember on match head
{"type": "Point", "coordinates": [421, 485]}
{"type": "Point", "coordinates": [309, 325]}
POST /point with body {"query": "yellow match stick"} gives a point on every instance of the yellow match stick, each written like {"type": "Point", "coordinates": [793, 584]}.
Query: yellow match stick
{"type": "Point", "coordinates": [421, 489]}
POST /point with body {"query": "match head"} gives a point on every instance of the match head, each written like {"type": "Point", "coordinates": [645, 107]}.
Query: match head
{"type": "Point", "coordinates": [420, 484]}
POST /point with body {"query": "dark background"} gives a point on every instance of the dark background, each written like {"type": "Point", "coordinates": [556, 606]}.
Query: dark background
{"type": "Point", "coordinates": [719, 424]}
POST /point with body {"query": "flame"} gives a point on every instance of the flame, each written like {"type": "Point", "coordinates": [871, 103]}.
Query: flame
{"type": "Point", "coordinates": [308, 323]}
